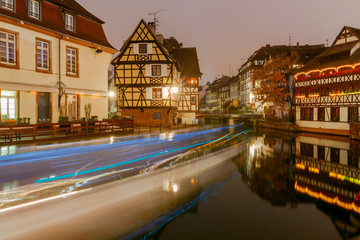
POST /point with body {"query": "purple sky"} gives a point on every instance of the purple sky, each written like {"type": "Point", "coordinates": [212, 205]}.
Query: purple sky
{"type": "Point", "coordinates": [227, 32]}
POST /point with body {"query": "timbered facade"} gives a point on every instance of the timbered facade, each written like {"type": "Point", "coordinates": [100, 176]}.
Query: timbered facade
{"type": "Point", "coordinates": [147, 79]}
{"type": "Point", "coordinates": [188, 105]}
{"type": "Point", "coordinates": [327, 88]}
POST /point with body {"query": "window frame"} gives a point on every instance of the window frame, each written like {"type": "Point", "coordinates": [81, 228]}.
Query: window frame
{"type": "Point", "coordinates": [307, 149]}
{"type": "Point", "coordinates": [16, 104]}
{"type": "Point", "coordinates": [354, 111]}
{"type": "Point", "coordinates": [335, 113]}
{"type": "Point", "coordinates": [30, 11]}
{"type": "Point", "coordinates": [72, 74]}
{"type": "Point", "coordinates": [156, 68]}
{"type": "Point", "coordinates": [41, 69]}
{"type": "Point", "coordinates": [141, 47]}
{"type": "Point", "coordinates": [157, 116]}
{"type": "Point", "coordinates": [322, 111]}
{"type": "Point", "coordinates": [321, 153]}
{"type": "Point", "coordinates": [306, 113]}
{"type": "Point", "coordinates": [4, 5]}
{"type": "Point", "coordinates": [16, 50]}
{"type": "Point", "coordinates": [156, 93]}
{"type": "Point", "coordinates": [67, 26]}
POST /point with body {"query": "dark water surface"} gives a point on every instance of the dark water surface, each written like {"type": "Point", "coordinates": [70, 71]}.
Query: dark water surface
{"type": "Point", "coordinates": [279, 187]}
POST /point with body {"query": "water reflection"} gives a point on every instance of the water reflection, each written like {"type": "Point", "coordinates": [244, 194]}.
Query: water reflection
{"type": "Point", "coordinates": [288, 172]}
{"type": "Point", "coordinates": [266, 168]}
{"type": "Point", "coordinates": [327, 169]}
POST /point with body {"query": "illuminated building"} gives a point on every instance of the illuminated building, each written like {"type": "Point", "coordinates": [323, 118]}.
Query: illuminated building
{"type": "Point", "coordinates": [54, 61]}
{"type": "Point", "coordinates": [258, 59]}
{"type": "Point", "coordinates": [188, 104]}
{"type": "Point", "coordinates": [327, 88]}
{"type": "Point", "coordinates": [147, 78]}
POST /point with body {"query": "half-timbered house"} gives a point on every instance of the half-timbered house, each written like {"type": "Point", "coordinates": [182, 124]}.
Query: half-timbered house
{"type": "Point", "coordinates": [147, 78]}
{"type": "Point", "coordinates": [190, 76]}
{"type": "Point", "coordinates": [327, 88]}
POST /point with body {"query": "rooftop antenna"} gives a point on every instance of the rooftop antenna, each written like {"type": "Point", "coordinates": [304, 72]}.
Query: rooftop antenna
{"type": "Point", "coordinates": [156, 20]}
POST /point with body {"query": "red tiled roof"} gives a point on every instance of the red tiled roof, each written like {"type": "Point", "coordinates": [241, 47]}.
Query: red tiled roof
{"type": "Point", "coordinates": [87, 26]}
{"type": "Point", "coordinates": [75, 7]}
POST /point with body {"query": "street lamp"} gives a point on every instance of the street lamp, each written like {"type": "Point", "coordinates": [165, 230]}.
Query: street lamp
{"type": "Point", "coordinates": [111, 94]}
{"type": "Point", "coordinates": [174, 90]}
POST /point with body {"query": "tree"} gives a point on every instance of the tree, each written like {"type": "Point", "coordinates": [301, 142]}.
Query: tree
{"type": "Point", "coordinates": [271, 83]}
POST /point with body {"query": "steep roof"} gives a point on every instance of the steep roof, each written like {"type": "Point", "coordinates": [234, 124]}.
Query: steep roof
{"type": "Point", "coordinates": [150, 36]}
{"type": "Point", "coordinates": [189, 62]}
{"type": "Point", "coordinates": [87, 26]}
{"type": "Point", "coordinates": [75, 7]}
{"type": "Point", "coordinates": [223, 81]}
{"type": "Point", "coordinates": [305, 52]}
{"type": "Point", "coordinates": [171, 43]}
{"type": "Point", "coordinates": [342, 51]}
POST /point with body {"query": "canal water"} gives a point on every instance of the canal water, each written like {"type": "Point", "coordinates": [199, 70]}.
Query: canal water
{"type": "Point", "coordinates": [280, 186]}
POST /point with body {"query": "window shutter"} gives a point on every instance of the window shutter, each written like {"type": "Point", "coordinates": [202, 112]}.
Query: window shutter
{"type": "Point", "coordinates": [148, 93]}
{"type": "Point", "coordinates": [164, 70]}
{"type": "Point", "coordinates": [147, 70]}
{"type": "Point", "coordinates": [136, 48]}
{"type": "Point", "coordinates": [149, 48]}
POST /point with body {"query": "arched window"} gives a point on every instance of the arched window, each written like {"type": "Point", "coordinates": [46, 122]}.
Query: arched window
{"type": "Point", "coordinates": [156, 115]}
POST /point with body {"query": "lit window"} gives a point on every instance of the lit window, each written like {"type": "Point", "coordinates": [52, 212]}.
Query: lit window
{"type": "Point", "coordinates": [156, 70]}
{"type": "Point", "coordinates": [69, 22]}
{"type": "Point", "coordinates": [157, 93]}
{"type": "Point", "coordinates": [34, 9]}
{"type": "Point", "coordinates": [71, 61]}
{"type": "Point", "coordinates": [42, 55]}
{"type": "Point", "coordinates": [8, 48]}
{"type": "Point", "coordinates": [9, 4]}
{"type": "Point", "coordinates": [8, 104]}
{"type": "Point", "coordinates": [143, 48]}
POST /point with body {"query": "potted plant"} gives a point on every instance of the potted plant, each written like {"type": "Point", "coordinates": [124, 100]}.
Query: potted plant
{"type": "Point", "coordinates": [10, 121]}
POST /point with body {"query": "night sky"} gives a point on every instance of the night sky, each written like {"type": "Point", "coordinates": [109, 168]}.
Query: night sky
{"type": "Point", "coordinates": [227, 32]}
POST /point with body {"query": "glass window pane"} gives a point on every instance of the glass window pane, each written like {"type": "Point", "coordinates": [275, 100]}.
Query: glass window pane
{"type": "Point", "coordinates": [7, 93]}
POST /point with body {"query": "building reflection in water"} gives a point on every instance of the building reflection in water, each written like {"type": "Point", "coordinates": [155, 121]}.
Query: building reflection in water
{"type": "Point", "coordinates": [288, 171]}
{"type": "Point", "coordinates": [327, 169]}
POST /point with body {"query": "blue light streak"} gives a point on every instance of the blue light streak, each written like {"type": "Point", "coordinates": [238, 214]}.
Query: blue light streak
{"type": "Point", "coordinates": [76, 174]}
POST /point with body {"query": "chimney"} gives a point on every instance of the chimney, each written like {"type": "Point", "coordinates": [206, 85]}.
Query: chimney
{"type": "Point", "coordinates": [160, 38]}
{"type": "Point", "coordinates": [152, 26]}
{"type": "Point", "coordinates": [268, 45]}
{"type": "Point", "coordinates": [297, 44]}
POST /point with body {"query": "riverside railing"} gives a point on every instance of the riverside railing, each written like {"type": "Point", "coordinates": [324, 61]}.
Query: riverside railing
{"type": "Point", "coordinates": [48, 131]}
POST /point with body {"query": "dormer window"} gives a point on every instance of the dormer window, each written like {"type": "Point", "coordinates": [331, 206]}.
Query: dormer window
{"type": "Point", "coordinates": [8, 4]}
{"type": "Point", "coordinates": [69, 22]}
{"type": "Point", "coordinates": [34, 9]}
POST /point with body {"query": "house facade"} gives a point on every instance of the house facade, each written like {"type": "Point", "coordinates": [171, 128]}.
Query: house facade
{"type": "Point", "coordinates": [214, 96]}
{"type": "Point", "coordinates": [147, 79]}
{"type": "Point", "coordinates": [190, 75]}
{"type": "Point", "coordinates": [262, 56]}
{"type": "Point", "coordinates": [54, 61]}
{"type": "Point", "coordinates": [327, 88]}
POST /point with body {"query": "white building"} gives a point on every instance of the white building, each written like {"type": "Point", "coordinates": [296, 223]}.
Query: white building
{"type": "Point", "coordinates": [54, 61]}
